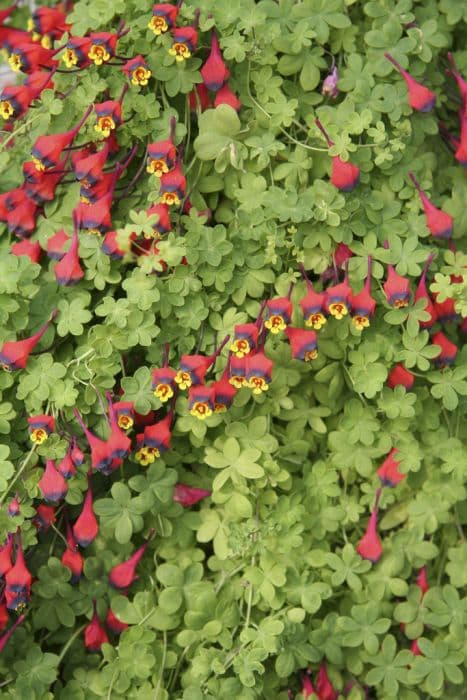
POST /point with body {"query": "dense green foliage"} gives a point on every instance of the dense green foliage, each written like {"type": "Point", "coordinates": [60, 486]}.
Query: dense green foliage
{"type": "Point", "coordinates": [238, 594]}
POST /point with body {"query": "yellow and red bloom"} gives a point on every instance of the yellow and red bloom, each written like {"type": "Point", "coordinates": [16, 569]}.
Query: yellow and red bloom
{"type": "Point", "coordinates": [163, 17]}
{"type": "Point", "coordinates": [201, 401]}
{"type": "Point", "coordinates": [15, 354]}
{"type": "Point", "coordinates": [237, 371]}
{"type": "Point", "coordinates": [312, 307]}
{"type": "Point", "coordinates": [303, 343]}
{"type": "Point", "coordinates": [258, 372]}
{"type": "Point", "coordinates": [30, 57]}
{"type": "Point", "coordinates": [245, 339]}
{"type": "Point", "coordinates": [137, 70]}
{"type": "Point", "coordinates": [89, 168]}
{"type": "Point", "coordinates": [226, 96]}
{"type": "Point", "coordinates": [162, 154]}
{"type": "Point", "coordinates": [48, 22]}
{"type": "Point", "coordinates": [145, 455]}
{"type": "Point", "coordinates": [369, 546]}
{"type": "Point", "coordinates": [76, 52]}
{"type": "Point", "coordinates": [185, 40]}
{"type": "Point", "coordinates": [125, 413]}
{"type": "Point", "coordinates": [31, 249]}
{"type": "Point", "coordinates": [438, 221]}
{"type": "Point", "coordinates": [22, 219]}
{"type": "Point", "coordinates": [172, 186]}
{"type": "Point", "coordinates": [109, 116]}
{"type": "Point", "coordinates": [337, 299]}
{"type": "Point", "coordinates": [47, 150]}
{"type": "Point", "coordinates": [95, 218]}
{"type": "Point", "coordinates": [224, 392]}
{"type": "Point", "coordinates": [396, 289]}
{"type": "Point", "coordinates": [345, 176]}
{"type": "Point", "coordinates": [400, 376]}
{"type": "Point", "coordinates": [279, 314]}
{"type": "Point", "coordinates": [40, 428]}
{"type": "Point", "coordinates": [389, 472]}
{"type": "Point", "coordinates": [164, 224]}
{"type": "Point", "coordinates": [193, 368]}
{"type": "Point", "coordinates": [103, 47]}
{"type": "Point", "coordinates": [158, 435]}
{"type": "Point", "coordinates": [163, 383]}
{"type": "Point", "coordinates": [52, 484]}
{"type": "Point", "coordinates": [363, 305]}
{"type": "Point", "coordinates": [448, 351]}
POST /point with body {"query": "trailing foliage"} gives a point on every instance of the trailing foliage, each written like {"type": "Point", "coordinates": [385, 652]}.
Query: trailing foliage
{"type": "Point", "coordinates": [308, 539]}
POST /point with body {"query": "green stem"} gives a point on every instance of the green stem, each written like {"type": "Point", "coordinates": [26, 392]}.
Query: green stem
{"type": "Point", "coordinates": [18, 130]}
{"type": "Point", "coordinates": [161, 672]}
{"type": "Point", "coordinates": [18, 474]}
{"type": "Point", "coordinates": [70, 642]}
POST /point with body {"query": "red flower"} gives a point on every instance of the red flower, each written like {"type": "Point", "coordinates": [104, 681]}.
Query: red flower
{"type": "Point", "coordinates": [68, 271]}
{"type": "Point", "coordinates": [193, 368]}
{"type": "Point", "coordinates": [307, 686]}
{"type": "Point", "coordinates": [56, 243]}
{"type": "Point", "coordinates": [40, 428]}
{"type": "Point", "coordinates": [124, 412]}
{"type": "Point", "coordinates": [66, 467]}
{"type": "Point", "coordinates": [448, 351]}
{"type": "Point", "coordinates": [52, 485]}
{"type": "Point", "coordinates": [163, 383]}
{"type": "Point", "coordinates": [420, 98]}
{"type": "Point", "coordinates": [76, 52]}
{"type": "Point", "coordinates": [49, 21]}
{"type": "Point", "coordinates": [302, 343]}
{"type": "Point", "coordinates": [324, 686]}
{"type": "Point", "coordinates": [397, 289]}
{"type": "Point", "coordinates": [5, 555]}
{"type": "Point", "coordinates": [94, 634]}
{"type": "Point", "coordinates": [44, 518]}
{"type": "Point", "coordinates": [103, 47]}
{"type": "Point", "coordinates": [345, 176]}
{"type": "Point", "coordinates": [438, 222]}
{"type": "Point", "coordinates": [389, 472]}
{"type": "Point", "coordinates": [15, 100]}
{"type": "Point", "coordinates": [215, 73]}
{"type": "Point", "coordinates": [114, 624]}
{"type": "Point", "coordinates": [163, 17]}
{"type": "Point", "coordinates": [101, 454]}
{"type": "Point", "coordinates": [18, 581]}
{"type": "Point", "coordinates": [201, 401]}
{"type": "Point", "coordinates": [123, 575]}
{"type": "Point", "coordinates": [185, 40]}
{"type": "Point", "coordinates": [363, 305]}
{"type": "Point", "coordinates": [4, 639]}
{"type": "Point", "coordinates": [89, 169]}
{"type": "Point", "coordinates": [110, 246]}
{"type": "Point", "coordinates": [109, 116]}
{"type": "Point", "coordinates": [39, 185]}
{"type": "Point", "coordinates": [14, 355]}
{"type": "Point", "coordinates": [158, 435]}
{"type": "Point", "coordinates": [22, 219]}
{"type": "Point", "coordinates": [162, 154]}
{"type": "Point", "coordinates": [86, 528]}
{"type": "Point", "coordinates": [415, 649]}
{"type": "Point", "coordinates": [30, 57]}
{"type": "Point", "coordinates": [189, 495]}
{"type": "Point", "coordinates": [279, 313]}
{"type": "Point", "coordinates": [400, 376]}
{"type": "Point", "coordinates": [95, 218]}
{"type": "Point", "coordinates": [3, 616]}
{"type": "Point", "coordinates": [28, 249]}
{"type": "Point", "coordinates": [163, 224]}
{"type": "Point", "coordinates": [71, 558]}
{"type": "Point", "coordinates": [172, 186]}
{"type": "Point", "coordinates": [137, 70]}
{"type": "Point", "coordinates": [445, 310]}
{"type": "Point", "coordinates": [422, 581]}
{"type": "Point", "coordinates": [224, 392]}
{"type": "Point", "coordinates": [337, 300]}
{"type": "Point", "coordinates": [312, 305]}
{"type": "Point", "coordinates": [76, 454]}
{"type": "Point", "coordinates": [47, 150]}
{"type": "Point", "coordinates": [369, 546]}
{"type": "Point", "coordinates": [258, 372]}
{"type": "Point", "coordinates": [237, 371]}
{"type": "Point", "coordinates": [118, 441]}
{"type": "Point", "coordinates": [225, 96]}
{"type": "Point", "coordinates": [245, 339]}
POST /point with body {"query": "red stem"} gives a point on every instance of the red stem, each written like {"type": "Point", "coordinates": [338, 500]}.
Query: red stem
{"type": "Point", "coordinates": [259, 320]}
{"type": "Point", "coordinates": [196, 22]}
{"type": "Point", "coordinates": [173, 124]}
{"type": "Point", "coordinates": [415, 182]}
{"type": "Point", "coordinates": [394, 62]}
{"type": "Point", "coordinates": [368, 277]}
{"type": "Point", "coordinates": [324, 132]}
{"type": "Point", "coordinates": [165, 360]}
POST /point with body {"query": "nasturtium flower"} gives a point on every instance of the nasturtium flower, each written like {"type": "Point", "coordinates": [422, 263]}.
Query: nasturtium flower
{"type": "Point", "coordinates": [30, 249]}
{"type": "Point", "coordinates": [68, 270]}
{"type": "Point", "coordinates": [22, 219]}
{"type": "Point", "coordinates": [448, 351]}
{"type": "Point", "coordinates": [114, 624]}
{"type": "Point", "coordinates": [172, 186]}
{"type": "Point", "coordinates": [14, 354]}
{"type": "Point", "coordinates": [30, 57]}
{"type": "Point", "coordinates": [345, 175]}
{"type": "Point", "coordinates": [13, 509]}
{"type": "Point", "coordinates": [185, 40]}
{"type": "Point", "coordinates": [363, 305]}
{"type": "Point", "coordinates": [71, 557]}
{"type": "Point", "coordinates": [76, 52]}
{"type": "Point", "coordinates": [52, 485]}
{"type": "Point", "coordinates": [109, 116]}
{"type": "Point", "coordinates": [337, 299]}
{"type": "Point", "coordinates": [163, 383]}
{"type": "Point", "coordinates": [47, 150]}
{"type": "Point", "coordinates": [400, 376]}
{"type": "Point", "coordinates": [201, 401]}
{"type": "Point", "coordinates": [164, 16]}
{"type": "Point", "coordinates": [396, 289]}
{"type": "Point", "coordinates": [137, 71]}
{"type": "Point", "coordinates": [163, 224]}
{"type": "Point", "coordinates": [245, 339]}
{"type": "Point", "coordinates": [438, 222]}
{"type": "Point", "coordinates": [66, 466]}
{"type": "Point", "coordinates": [422, 293]}
{"type": "Point", "coordinates": [123, 575]}
{"type": "Point", "coordinates": [94, 633]}
{"type": "Point", "coordinates": [110, 246]}
{"type": "Point", "coordinates": [420, 98]}
{"type": "Point", "coordinates": [18, 581]}
{"type": "Point", "coordinates": [189, 495]}
{"type": "Point", "coordinates": [101, 453]}
{"type": "Point", "coordinates": [303, 343]}
{"type": "Point", "coordinates": [193, 368]}
{"type": "Point", "coordinates": [226, 96]}
{"type": "Point", "coordinates": [158, 435]}
{"type": "Point", "coordinates": [86, 528]}
{"type": "Point", "coordinates": [370, 546]}
{"type": "Point", "coordinates": [312, 305]}
{"type": "Point", "coordinates": [45, 517]}
{"type": "Point", "coordinates": [162, 154]}
{"type": "Point", "coordinates": [389, 472]}
{"type": "Point", "coordinates": [324, 687]}
{"type": "Point", "coordinates": [214, 72]}
{"type": "Point", "coordinates": [258, 372]}
{"type": "Point", "coordinates": [48, 21]}
{"type": "Point", "coordinates": [103, 47]}
{"type": "Point", "coordinates": [125, 413]}
{"type": "Point", "coordinates": [89, 167]}
{"type": "Point", "coordinates": [329, 86]}
{"type": "Point", "coordinates": [15, 100]}
{"type": "Point", "coordinates": [237, 371]}
{"type": "Point", "coordinates": [279, 313]}
{"type": "Point", "coordinates": [5, 555]}
{"type": "Point", "coordinates": [40, 427]}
